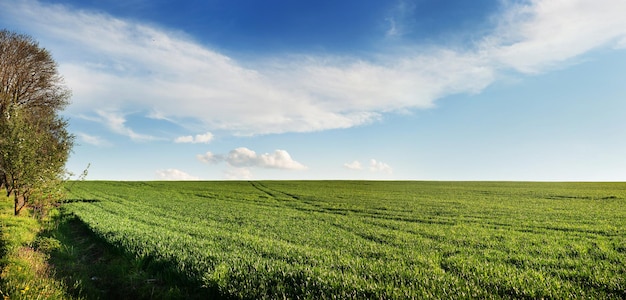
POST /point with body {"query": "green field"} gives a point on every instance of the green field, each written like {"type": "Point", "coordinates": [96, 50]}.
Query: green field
{"type": "Point", "coordinates": [368, 239]}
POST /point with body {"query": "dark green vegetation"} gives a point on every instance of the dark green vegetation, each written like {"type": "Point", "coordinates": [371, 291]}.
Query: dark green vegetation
{"type": "Point", "coordinates": [91, 268]}
{"type": "Point", "coordinates": [359, 239]}
{"type": "Point", "coordinates": [34, 141]}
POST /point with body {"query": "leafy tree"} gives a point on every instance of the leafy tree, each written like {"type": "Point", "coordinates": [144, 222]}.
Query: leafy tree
{"type": "Point", "coordinates": [34, 141]}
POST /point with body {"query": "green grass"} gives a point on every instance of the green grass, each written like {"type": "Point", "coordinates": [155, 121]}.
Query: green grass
{"type": "Point", "coordinates": [25, 271]}
{"type": "Point", "coordinates": [94, 269]}
{"type": "Point", "coordinates": [362, 239]}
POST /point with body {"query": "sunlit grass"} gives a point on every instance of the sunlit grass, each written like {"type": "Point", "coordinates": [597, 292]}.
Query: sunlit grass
{"type": "Point", "coordinates": [356, 239]}
{"type": "Point", "coordinates": [26, 273]}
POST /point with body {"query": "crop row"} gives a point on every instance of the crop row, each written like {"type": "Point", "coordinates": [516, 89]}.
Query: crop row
{"type": "Point", "coordinates": [345, 239]}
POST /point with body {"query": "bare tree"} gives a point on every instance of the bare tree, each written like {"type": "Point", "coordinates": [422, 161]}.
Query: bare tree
{"type": "Point", "coordinates": [34, 141]}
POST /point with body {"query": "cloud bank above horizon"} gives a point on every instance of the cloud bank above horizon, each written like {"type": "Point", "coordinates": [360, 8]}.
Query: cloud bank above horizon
{"type": "Point", "coordinates": [115, 66]}
{"type": "Point", "coordinates": [242, 160]}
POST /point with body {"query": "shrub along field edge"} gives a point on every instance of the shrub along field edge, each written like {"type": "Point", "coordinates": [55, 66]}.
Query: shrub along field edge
{"type": "Point", "coordinates": [25, 270]}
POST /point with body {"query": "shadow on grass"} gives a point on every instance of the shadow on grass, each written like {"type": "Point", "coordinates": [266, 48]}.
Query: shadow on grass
{"type": "Point", "coordinates": [3, 253]}
{"type": "Point", "coordinates": [94, 269]}
{"type": "Point", "coordinates": [80, 200]}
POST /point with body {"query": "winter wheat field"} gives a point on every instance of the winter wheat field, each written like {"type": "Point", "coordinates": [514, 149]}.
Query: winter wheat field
{"type": "Point", "coordinates": [368, 239]}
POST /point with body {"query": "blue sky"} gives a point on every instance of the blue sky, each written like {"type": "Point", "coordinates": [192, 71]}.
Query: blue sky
{"type": "Point", "coordinates": [277, 89]}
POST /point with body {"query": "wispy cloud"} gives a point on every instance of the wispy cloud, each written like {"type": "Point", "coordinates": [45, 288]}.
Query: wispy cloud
{"type": "Point", "coordinates": [397, 17]}
{"type": "Point", "coordinates": [393, 30]}
{"type": "Point", "coordinates": [209, 158]}
{"type": "Point", "coordinates": [374, 166]}
{"type": "Point", "coordinates": [92, 139]}
{"type": "Point", "coordinates": [534, 36]}
{"type": "Point", "coordinates": [116, 65]}
{"type": "Point", "coordinates": [197, 139]}
{"type": "Point", "coordinates": [117, 123]}
{"type": "Point", "coordinates": [355, 165]}
{"type": "Point", "coordinates": [379, 166]}
{"type": "Point", "coordinates": [174, 174]}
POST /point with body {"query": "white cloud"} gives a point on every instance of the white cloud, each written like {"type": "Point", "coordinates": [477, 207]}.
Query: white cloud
{"type": "Point", "coordinates": [204, 138]}
{"type": "Point", "coordinates": [184, 139]}
{"type": "Point", "coordinates": [117, 123]}
{"type": "Point", "coordinates": [621, 44]}
{"type": "Point", "coordinates": [536, 35]}
{"type": "Point", "coordinates": [174, 174]}
{"type": "Point", "coordinates": [209, 158]}
{"type": "Point", "coordinates": [92, 140]}
{"type": "Point", "coordinates": [244, 158]}
{"type": "Point", "coordinates": [379, 166]}
{"type": "Point", "coordinates": [198, 139]}
{"type": "Point", "coordinates": [355, 165]}
{"type": "Point", "coordinates": [116, 65]}
{"type": "Point", "coordinates": [374, 166]}
{"type": "Point", "coordinates": [279, 159]}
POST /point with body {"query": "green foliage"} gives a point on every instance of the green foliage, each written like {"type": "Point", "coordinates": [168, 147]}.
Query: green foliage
{"type": "Point", "coordinates": [361, 239]}
{"type": "Point", "coordinates": [34, 142]}
{"type": "Point", "coordinates": [46, 244]}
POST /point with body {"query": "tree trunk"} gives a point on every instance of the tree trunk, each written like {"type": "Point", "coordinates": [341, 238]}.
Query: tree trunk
{"type": "Point", "coordinates": [20, 202]}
